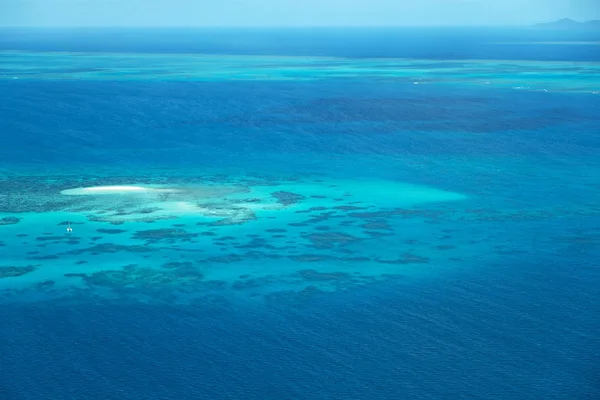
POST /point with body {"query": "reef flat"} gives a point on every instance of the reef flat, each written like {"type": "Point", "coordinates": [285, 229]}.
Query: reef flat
{"type": "Point", "coordinates": [199, 234]}
{"type": "Point", "coordinates": [558, 76]}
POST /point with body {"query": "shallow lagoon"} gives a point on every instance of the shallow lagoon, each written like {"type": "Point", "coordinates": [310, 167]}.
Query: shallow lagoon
{"type": "Point", "coordinates": [251, 234]}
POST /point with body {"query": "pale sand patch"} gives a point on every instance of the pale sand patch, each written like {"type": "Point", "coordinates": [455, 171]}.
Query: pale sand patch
{"type": "Point", "coordinates": [115, 190]}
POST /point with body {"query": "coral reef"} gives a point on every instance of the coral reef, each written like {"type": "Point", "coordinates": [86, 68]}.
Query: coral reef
{"type": "Point", "coordinates": [9, 220]}
{"type": "Point", "coordinates": [166, 234]}
{"type": "Point", "coordinates": [110, 231]}
{"type": "Point", "coordinates": [143, 277]}
{"type": "Point", "coordinates": [328, 240]}
{"type": "Point", "coordinates": [13, 271]}
{"type": "Point", "coordinates": [287, 198]}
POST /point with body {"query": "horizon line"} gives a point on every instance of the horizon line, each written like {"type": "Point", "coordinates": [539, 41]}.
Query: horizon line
{"type": "Point", "coordinates": [255, 26]}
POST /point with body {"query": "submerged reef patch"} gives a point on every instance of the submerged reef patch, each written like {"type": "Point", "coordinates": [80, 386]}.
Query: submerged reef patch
{"type": "Point", "coordinates": [326, 240]}
{"type": "Point", "coordinates": [111, 231]}
{"type": "Point", "coordinates": [13, 271]}
{"type": "Point", "coordinates": [298, 226]}
{"type": "Point", "coordinates": [9, 220]}
{"type": "Point", "coordinates": [166, 234]}
{"type": "Point", "coordinates": [406, 258]}
{"type": "Point", "coordinates": [287, 198]}
{"type": "Point", "coordinates": [143, 277]}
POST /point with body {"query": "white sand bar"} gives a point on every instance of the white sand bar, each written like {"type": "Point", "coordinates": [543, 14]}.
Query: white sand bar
{"type": "Point", "coordinates": [115, 190]}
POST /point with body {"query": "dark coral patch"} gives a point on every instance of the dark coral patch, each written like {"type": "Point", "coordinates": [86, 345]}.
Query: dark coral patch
{"type": "Point", "coordinates": [328, 240]}
{"type": "Point", "coordinates": [406, 258]}
{"type": "Point", "coordinates": [322, 217]}
{"type": "Point", "coordinates": [444, 247]}
{"type": "Point", "coordinates": [347, 222]}
{"type": "Point", "coordinates": [177, 264]}
{"type": "Point", "coordinates": [226, 238]}
{"type": "Point", "coordinates": [146, 278]}
{"type": "Point", "coordinates": [375, 225]}
{"type": "Point", "coordinates": [314, 276]}
{"type": "Point", "coordinates": [9, 220]}
{"type": "Point", "coordinates": [73, 275]}
{"type": "Point", "coordinates": [111, 231]}
{"type": "Point", "coordinates": [257, 243]}
{"type": "Point", "coordinates": [66, 223]}
{"type": "Point", "coordinates": [12, 271]}
{"type": "Point", "coordinates": [309, 291]}
{"type": "Point", "coordinates": [154, 235]}
{"type": "Point", "coordinates": [310, 258]}
{"type": "Point", "coordinates": [238, 220]}
{"type": "Point", "coordinates": [43, 285]}
{"type": "Point", "coordinates": [287, 198]}
{"type": "Point", "coordinates": [50, 238]}
{"type": "Point", "coordinates": [311, 210]}
{"type": "Point", "coordinates": [349, 208]}
{"type": "Point", "coordinates": [376, 234]}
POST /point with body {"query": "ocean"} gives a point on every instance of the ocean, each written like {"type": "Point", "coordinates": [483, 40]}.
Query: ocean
{"type": "Point", "coordinates": [366, 213]}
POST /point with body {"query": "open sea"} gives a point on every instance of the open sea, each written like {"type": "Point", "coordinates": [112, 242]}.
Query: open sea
{"type": "Point", "coordinates": [299, 214]}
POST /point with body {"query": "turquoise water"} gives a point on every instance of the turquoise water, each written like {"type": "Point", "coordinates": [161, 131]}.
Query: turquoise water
{"type": "Point", "coordinates": [515, 74]}
{"type": "Point", "coordinates": [299, 226]}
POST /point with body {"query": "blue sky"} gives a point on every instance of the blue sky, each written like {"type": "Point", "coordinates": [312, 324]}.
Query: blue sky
{"type": "Point", "coordinates": [290, 12]}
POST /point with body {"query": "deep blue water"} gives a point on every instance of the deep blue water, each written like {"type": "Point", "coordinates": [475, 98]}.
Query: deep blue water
{"type": "Point", "coordinates": [434, 43]}
{"type": "Point", "coordinates": [522, 325]}
{"type": "Point", "coordinates": [494, 335]}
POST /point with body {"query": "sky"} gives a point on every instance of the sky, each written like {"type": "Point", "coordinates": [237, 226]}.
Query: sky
{"type": "Point", "coordinates": [291, 12]}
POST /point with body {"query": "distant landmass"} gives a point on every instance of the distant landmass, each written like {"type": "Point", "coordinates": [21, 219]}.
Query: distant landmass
{"type": "Point", "coordinates": [567, 23]}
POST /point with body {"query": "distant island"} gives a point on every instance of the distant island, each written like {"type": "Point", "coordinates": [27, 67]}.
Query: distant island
{"type": "Point", "coordinates": [567, 23]}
